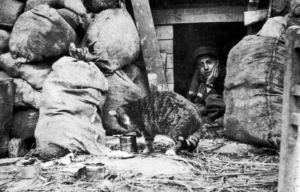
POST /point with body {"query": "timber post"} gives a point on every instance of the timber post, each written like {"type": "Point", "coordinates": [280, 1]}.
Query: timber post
{"type": "Point", "coordinates": [149, 42]}
{"type": "Point", "coordinates": [289, 170]}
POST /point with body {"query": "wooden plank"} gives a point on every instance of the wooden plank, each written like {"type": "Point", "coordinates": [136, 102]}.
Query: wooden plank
{"type": "Point", "coordinates": [164, 32]}
{"type": "Point", "coordinates": [163, 58]}
{"type": "Point", "coordinates": [149, 42]}
{"type": "Point", "coordinates": [166, 46]}
{"type": "Point", "coordinates": [255, 16]}
{"type": "Point", "coordinates": [219, 13]}
{"type": "Point", "coordinates": [170, 75]}
{"type": "Point", "coordinates": [171, 87]}
{"type": "Point", "coordinates": [287, 176]}
{"type": "Point", "coordinates": [170, 61]}
{"type": "Point", "coordinates": [295, 90]}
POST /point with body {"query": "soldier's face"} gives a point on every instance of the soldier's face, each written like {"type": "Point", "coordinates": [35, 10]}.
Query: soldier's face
{"type": "Point", "coordinates": [205, 64]}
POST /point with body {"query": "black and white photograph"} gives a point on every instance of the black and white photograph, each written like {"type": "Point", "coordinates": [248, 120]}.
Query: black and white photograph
{"type": "Point", "coordinates": [149, 95]}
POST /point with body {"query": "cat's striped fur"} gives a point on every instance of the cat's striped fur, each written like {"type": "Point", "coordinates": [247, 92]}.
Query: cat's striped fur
{"type": "Point", "coordinates": [165, 113]}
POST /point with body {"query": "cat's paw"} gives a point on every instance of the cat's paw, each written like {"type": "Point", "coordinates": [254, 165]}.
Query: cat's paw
{"type": "Point", "coordinates": [170, 152]}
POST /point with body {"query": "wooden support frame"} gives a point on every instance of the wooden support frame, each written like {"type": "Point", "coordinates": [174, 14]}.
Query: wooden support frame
{"type": "Point", "coordinates": [289, 170]}
{"type": "Point", "coordinates": [203, 14]}
{"type": "Point", "coordinates": [149, 43]}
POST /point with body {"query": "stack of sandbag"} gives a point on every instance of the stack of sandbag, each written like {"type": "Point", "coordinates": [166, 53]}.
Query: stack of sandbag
{"type": "Point", "coordinates": [254, 86]}
{"type": "Point", "coordinates": [34, 34]}
{"type": "Point", "coordinates": [69, 120]}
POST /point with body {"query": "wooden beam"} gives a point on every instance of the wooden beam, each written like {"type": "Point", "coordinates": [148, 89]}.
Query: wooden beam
{"type": "Point", "coordinates": [199, 15]}
{"type": "Point", "coordinates": [149, 42]}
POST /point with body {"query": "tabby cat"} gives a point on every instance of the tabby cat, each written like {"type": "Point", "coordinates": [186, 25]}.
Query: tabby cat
{"type": "Point", "coordinates": [165, 113]}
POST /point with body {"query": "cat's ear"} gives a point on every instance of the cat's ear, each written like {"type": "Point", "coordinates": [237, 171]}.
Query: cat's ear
{"type": "Point", "coordinates": [112, 113]}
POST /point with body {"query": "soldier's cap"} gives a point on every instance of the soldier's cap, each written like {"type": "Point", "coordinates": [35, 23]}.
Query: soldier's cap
{"type": "Point", "coordinates": [204, 50]}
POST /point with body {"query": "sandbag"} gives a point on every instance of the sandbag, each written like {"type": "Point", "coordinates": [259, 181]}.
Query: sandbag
{"type": "Point", "coordinates": [24, 124]}
{"type": "Point", "coordinates": [6, 111]}
{"type": "Point", "coordinates": [295, 8]}
{"type": "Point", "coordinates": [16, 148]}
{"type": "Point", "coordinates": [25, 95]}
{"type": "Point", "coordinates": [4, 38]}
{"type": "Point", "coordinates": [253, 90]}
{"type": "Point", "coordinates": [79, 23]}
{"type": "Point", "coordinates": [34, 74]}
{"type": "Point", "coordinates": [96, 6]}
{"type": "Point", "coordinates": [69, 120]}
{"type": "Point", "coordinates": [39, 34]}
{"type": "Point", "coordinates": [112, 39]}
{"type": "Point", "coordinates": [274, 27]}
{"type": "Point", "coordinates": [280, 7]}
{"type": "Point", "coordinates": [10, 10]}
{"type": "Point", "coordinates": [121, 91]}
{"type": "Point", "coordinates": [73, 5]}
{"type": "Point", "coordinates": [139, 78]}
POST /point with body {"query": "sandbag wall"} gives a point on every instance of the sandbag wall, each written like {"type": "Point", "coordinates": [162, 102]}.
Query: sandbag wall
{"type": "Point", "coordinates": [35, 36]}
{"type": "Point", "coordinates": [254, 86]}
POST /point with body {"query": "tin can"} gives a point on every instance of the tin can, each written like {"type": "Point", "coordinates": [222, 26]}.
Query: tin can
{"type": "Point", "coordinates": [128, 143]}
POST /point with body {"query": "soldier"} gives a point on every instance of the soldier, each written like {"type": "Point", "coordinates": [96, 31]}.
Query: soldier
{"type": "Point", "coordinates": [202, 91]}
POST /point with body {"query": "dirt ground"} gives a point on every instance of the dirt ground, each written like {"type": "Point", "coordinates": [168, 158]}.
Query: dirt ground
{"type": "Point", "coordinates": [218, 165]}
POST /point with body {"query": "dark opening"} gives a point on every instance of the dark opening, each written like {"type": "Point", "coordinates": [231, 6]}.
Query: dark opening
{"type": "Point", "coordinates": [187, 37]}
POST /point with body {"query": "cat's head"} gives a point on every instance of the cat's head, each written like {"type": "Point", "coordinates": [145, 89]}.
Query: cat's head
{"type": "Point", "coordinates": [123, 119]}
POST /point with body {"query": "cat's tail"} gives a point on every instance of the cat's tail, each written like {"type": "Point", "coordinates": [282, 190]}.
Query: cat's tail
{"type": "Point", "coordinates": [191, 143]}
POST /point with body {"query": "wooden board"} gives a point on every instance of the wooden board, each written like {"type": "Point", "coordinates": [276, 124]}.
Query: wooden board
{"type": "Point", "coordinates": [164, 32]}
{"type": "Point", "coordinates": [170, 75]}
{"type": "Point", "coordinates": [171, 87]}
{"type": "Point", "coordinates": [170, 61]}
{"type": "Point", "coordinates": [149, 42]}
{"type": "Point", "coordinates": [200, 15]}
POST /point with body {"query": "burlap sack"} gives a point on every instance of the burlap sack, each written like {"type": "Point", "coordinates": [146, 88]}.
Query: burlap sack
{"type": "Point", "coordinates": [34, 74]}
{"type": "Point", "coordinates": [253, 90]}
{"type": "Point", "coordinates": [112, 39]}
{"type": "Point", "coordinates": [139, 78]}
{"type": "Point", "coordinates": [4, 38]}
{"type": "Point", "coordinates": [73, 5]}
{"type": "Point", "coordinates": [24, 124]}
{"type": "Point", "coordinates": [96, 6]}
{"type": "Point", "coordinates": [25, 95]}
{"type": "Point", "coordinates": [79, 23]}
{"type": "Point", "coordinates": [10, 11]}
{"type": "Point", "coordinates": [39, 34]}
{"type": "Point", "coordinates": [121, 91]}
{"type": "Point", "coordinates": [69, 114]}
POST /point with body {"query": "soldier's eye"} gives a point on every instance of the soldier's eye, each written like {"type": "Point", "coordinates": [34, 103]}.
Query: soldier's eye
{"type": "Point", "coordinates": [200, 64]}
